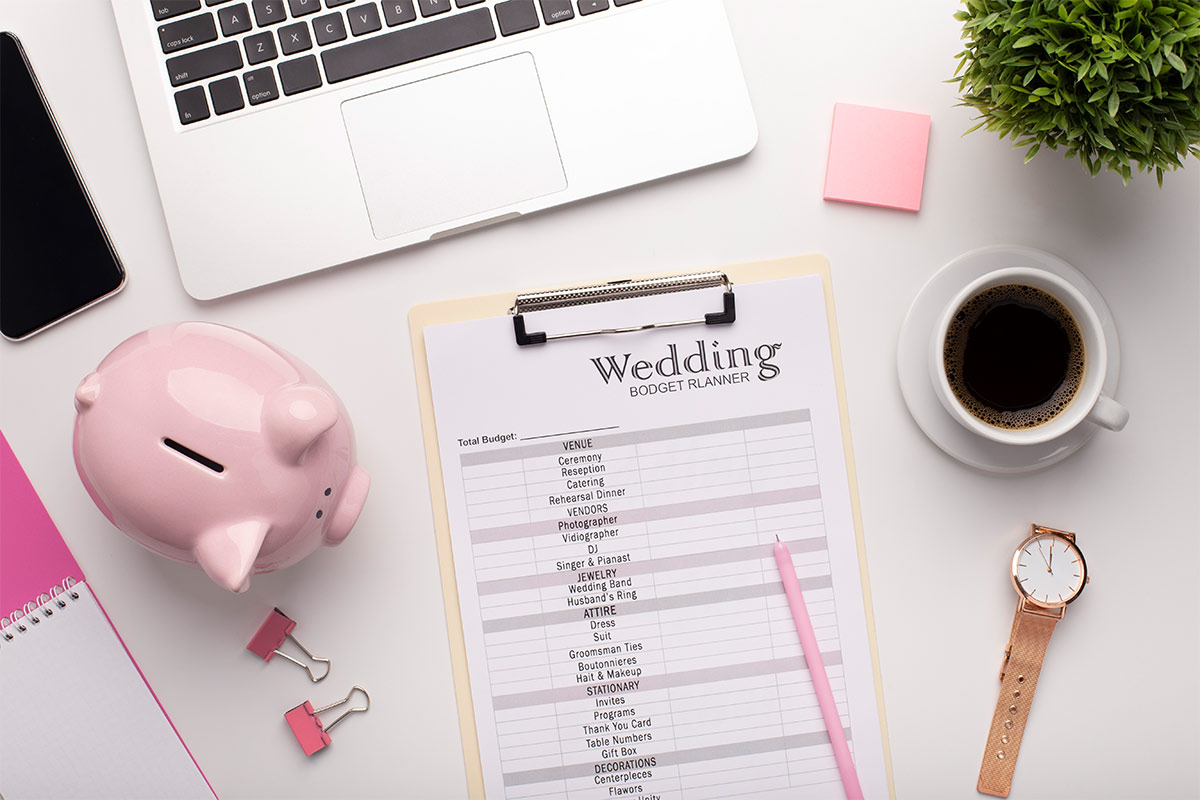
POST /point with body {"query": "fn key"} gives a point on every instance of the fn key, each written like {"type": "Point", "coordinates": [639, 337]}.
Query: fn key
{"type": "Point", "coordinates": [192, 105]}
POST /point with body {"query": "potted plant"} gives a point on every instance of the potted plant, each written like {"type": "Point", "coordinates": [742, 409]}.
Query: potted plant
{"type": "Point", "coordinates": [1115, 83]}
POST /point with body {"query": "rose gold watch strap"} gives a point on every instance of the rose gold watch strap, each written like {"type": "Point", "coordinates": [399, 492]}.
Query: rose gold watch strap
{"type": "Point", "coordinates": [1018, 679]}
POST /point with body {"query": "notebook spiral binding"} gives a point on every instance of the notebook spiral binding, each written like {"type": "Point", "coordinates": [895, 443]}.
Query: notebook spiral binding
{"type": "Point", "coordinates": [35, 611]}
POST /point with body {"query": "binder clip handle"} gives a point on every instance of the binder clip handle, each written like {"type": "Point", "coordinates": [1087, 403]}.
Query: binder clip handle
{"type": "Point", "coordinates": [266, 643]}
{"type": "Point", "coordinates": [349, 711]}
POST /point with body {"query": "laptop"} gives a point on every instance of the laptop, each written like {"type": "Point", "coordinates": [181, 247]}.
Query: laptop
{"type": "Point", "coordinates": [288, 136]}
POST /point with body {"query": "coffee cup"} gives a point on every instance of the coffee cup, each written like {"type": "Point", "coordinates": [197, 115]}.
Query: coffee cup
{"type": "Point", "coordinates": [1019, 356]}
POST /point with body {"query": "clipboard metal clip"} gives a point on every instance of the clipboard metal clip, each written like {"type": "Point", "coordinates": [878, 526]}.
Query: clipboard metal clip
{"type": "Point", "coordinates": [620, 290]}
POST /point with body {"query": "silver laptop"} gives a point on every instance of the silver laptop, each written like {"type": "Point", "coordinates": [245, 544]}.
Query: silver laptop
{"type": "Point", "coordinates": [292, 135]}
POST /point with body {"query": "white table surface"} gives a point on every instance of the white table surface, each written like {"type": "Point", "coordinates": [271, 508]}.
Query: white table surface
{"type": "Point", "coordinates": [1117, 713]}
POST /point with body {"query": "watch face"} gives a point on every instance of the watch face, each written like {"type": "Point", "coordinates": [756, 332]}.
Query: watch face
{"type": "Point", "coordinates": [1049, 570]}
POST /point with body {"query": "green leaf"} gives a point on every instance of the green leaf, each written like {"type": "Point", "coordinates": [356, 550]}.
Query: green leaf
{"type": "Point", "coordinates": [1025, 41]}
{"type": "Point", "coordinates": [1114, 103]}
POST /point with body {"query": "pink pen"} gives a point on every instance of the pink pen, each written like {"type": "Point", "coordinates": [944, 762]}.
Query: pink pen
{"type": "Point", "coordinates": [816, 670]}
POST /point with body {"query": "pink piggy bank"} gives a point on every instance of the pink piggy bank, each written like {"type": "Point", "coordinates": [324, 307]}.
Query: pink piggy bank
{"type": "Point", "coordinates": [209, 446]}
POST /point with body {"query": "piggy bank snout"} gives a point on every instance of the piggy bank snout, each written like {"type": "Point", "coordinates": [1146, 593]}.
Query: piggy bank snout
{"type": "Point", "coordinates": [349, 505]}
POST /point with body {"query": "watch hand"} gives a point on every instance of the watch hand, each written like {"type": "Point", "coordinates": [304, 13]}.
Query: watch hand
{"type": "Point", "coordinates": [1050, 563]}
{"type": "Point", "coordinates": [1043, 552]}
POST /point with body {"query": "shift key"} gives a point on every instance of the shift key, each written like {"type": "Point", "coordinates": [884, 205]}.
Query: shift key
{"type": "Point", "coordinates": [200, 64]}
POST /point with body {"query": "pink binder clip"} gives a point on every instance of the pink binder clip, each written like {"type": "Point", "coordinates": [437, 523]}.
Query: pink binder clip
{"type": "Point", "coordinates": [310, 732]}
{"type": "Point", "coordinates": [266, 643]}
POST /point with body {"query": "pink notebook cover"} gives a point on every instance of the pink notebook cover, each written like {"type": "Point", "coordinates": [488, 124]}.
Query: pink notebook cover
{"type": "Point", "coordinates": [34, 557]}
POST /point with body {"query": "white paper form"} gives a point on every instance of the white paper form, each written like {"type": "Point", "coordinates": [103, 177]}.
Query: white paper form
{"type": "Point", "coordinates": [613, 504]}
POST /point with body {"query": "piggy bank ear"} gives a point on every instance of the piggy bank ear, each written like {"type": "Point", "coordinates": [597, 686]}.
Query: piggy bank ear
{"type": "Point", "coordinates": [87, 392]}
{"type": "Point", "coordinates": [227, 554]}
{"type": "Point", "coordinates": [349, 504]}
{"type": "Point", "coordinates": [295, 417]}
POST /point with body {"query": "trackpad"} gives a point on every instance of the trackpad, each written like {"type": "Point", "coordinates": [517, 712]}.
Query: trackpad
{"type": "Point", "coordinates": [448, 147]}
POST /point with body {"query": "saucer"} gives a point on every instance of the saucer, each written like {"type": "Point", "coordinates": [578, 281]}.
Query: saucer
{"type": "Point", "coordinates": [912, 363]}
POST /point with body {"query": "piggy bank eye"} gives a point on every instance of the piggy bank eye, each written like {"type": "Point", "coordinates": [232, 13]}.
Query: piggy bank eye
{"type": "Point", "coordinates": [328, 492]}
{"type": "Point", "coordinates": [320, 513]}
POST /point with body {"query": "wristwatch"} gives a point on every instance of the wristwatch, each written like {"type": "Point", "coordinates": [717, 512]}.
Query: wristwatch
{"type": "Point", "coordinates": [1048, 572]}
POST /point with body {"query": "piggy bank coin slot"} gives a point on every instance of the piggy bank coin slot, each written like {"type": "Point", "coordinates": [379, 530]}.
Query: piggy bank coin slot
{"type": "Point", "coordinates": [193, 455]}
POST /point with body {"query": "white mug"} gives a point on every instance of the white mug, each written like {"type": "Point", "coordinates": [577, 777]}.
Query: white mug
{"type": "Point", "coordinates": [1089, 403]}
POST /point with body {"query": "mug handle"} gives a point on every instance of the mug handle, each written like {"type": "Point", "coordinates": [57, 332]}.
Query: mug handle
{"type": "Point", "coordinates": [1108, 413]}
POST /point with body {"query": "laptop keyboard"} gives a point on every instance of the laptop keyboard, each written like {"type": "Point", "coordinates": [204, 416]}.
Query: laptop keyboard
{"type": "Point", "coordinates": [226, 56]}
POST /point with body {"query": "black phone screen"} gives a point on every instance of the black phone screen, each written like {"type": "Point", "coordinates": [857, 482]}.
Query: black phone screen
{"type": "Point", "coordinates": [55, 257]}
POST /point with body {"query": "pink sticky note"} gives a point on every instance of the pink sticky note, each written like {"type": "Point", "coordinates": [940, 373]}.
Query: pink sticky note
{"type": "Point", "coordinates": [877, 157]}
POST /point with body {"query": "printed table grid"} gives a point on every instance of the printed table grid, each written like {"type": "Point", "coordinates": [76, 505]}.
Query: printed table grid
{"type": "Point", "coordinates": [635, 626]}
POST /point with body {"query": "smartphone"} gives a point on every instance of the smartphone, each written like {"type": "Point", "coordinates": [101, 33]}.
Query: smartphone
{"type": "Point", "coordinates": [55, 257]}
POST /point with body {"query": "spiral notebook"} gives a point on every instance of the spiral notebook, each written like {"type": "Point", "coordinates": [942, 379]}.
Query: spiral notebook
{"type": "Point", "coordinates": [77, 719]}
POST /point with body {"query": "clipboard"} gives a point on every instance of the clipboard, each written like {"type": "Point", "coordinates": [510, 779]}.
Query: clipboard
{"type": "Point", "coordinates": [516, 306]}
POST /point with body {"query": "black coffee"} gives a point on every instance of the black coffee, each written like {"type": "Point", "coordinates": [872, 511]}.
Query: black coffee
{"type": "Point", "coordinates": [1014, 356]}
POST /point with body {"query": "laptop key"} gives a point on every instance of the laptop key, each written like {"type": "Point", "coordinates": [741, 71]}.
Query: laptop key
{"type": "Point", "coordinates": [260, 85]}
{"type": "Point", "coordinates": [465, 3]}
{"type": "Point", "coordinates": [406, 45]}
{"type": "Point", "coordinates": [260, 47]}
{"type": "Point", "coordinates": [398, 12]}
{"type": "Point", "coordinates": [625, 2]}
{"type": "Point", "coordinates": [301, 7]}
{"type": "Point", "coordinates": [185, 33]}
{"type": "Point", "coordinates": [235, 19]}
{"type": "Point", "coordinates": [431, 7]}
{"type": "Point", "coordinates": [363, 19]}
{"type": "Point", "coordinates": [592, 6]}
{"type": "Point", "coordinates": [299, 75]}
{"type": "Point", "coordinates": [329, 29]}
{"type": "Point", "coordinates": [334, 3]}
{"type": "Point", "coordinates": [191, 105]}
{"type": "Point", "coordinates": [294, 39]}
{"type": "Point", "coordinates": [196, 65]}
{"type": "Point", "coordinates": [268, 12]}
{"type": "Point", "coordinates": [516, 16]}
{"type": "Point", "coordinates": [557, 11]}
{"type": "Point", "coordinates": [165, 9]}
{"type": "Point", "coordinates": [226, 95]}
